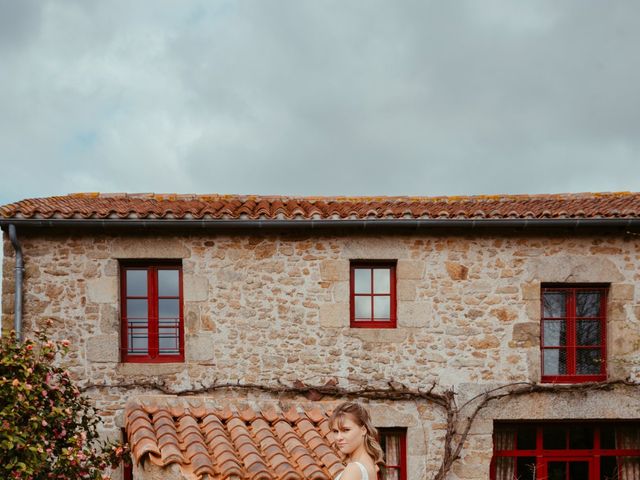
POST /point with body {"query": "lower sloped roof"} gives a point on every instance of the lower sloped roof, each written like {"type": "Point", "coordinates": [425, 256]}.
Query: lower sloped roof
{"type": "Point", "coordinates": [232, 441]}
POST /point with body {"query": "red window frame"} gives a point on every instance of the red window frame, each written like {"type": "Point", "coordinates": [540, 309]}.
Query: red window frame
{"type": "Point", "coordinates": [571, 343]}
{"type": "Point", "coordinates": [543, 456]}
{"type": "Point", "coordinates": [153, 355]}
{"type": "Point", "coordinates": [401, 434]}
{"type": "Point", "coordinates": [371, 322]}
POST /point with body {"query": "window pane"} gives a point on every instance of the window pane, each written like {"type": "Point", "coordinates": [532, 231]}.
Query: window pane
{"type": "Point", "coordinates": [555, 361]}
{"type": "Point", "coordinates": [588, 361]}
{"type": "Point", "coordinates": [137, 308]}
{"type": "Point", "coordinates": [363, 307]}
{"type": "Point", "coordinates": [555, 333]}
{"type": "Point", "coordinates": [587, 304]}
{"type": "Point", "coordinates": [168, 308]}
{"type": "Point", "coordinates": [578, 470]}
{"type": "Point", "coordinates": [382, 280]}
{"type": "Point", "coordinates": [382, 308]}
{"type": "Point", "coordinates": [581, 436]}
{"type": "Point", "coordinates": [526, 437]}
{"type": "Point", "coordinates": [588, 332]}
{"type": "Point", "coordinates": [554, 305]}
{"type": "Point", "coordinates": [138, 340]}
{"type": "Point", "coordinates": [526, 468]}
{"type": "Point", "coordinates": [607, 436]}
{"type": "Point", "coordinates": [609, 468]}
{"type": "Point", "coordinates": [168, 283]}
{"type": "Point", "coordinates": [554, 437]}
{"type": "Point", "coordinates": [362, 280]}
{"type": "Point", "coordinates": [168, 342]}
{"type": "Point", "coordinates": [136, 283]}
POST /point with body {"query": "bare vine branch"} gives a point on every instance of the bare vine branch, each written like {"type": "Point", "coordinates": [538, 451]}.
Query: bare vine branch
{"type": "Point", "coordinates": [458, 426]}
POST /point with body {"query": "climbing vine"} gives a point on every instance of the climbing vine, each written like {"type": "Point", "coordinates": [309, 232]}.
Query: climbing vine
{"type": "Point", "coordinates": [459, 419]}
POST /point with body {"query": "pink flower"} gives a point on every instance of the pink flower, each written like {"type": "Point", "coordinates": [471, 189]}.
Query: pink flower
{"type": "Point", "coordinates": [44, 393]}
{"type": "Point", "coordinates": [28, 386]}
{"type": "Point", "coordinates": [15, 382]}
{"type": "Point", "coordinates": [65, 343]}
{"type": "Point", "coordinates": [44, 423]}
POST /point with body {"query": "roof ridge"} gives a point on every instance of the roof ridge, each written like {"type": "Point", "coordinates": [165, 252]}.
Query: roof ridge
{"type": "Point", "coordinates": [176, 206]}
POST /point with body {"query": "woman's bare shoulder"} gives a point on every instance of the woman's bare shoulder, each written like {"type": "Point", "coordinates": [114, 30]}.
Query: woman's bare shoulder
{"type": "Point", "coordinates": [351, 472]}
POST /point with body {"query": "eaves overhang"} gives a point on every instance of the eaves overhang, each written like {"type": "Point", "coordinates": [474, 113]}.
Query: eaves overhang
{"type": "Point", "coordinates": [317, 224]}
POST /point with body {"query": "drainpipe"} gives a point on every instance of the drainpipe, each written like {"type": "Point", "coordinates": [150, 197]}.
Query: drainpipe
{"type": "Point", "coordinates": [17, 318]}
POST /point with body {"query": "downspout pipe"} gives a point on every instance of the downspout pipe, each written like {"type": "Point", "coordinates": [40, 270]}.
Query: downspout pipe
{"type": "Point", "coordinates": [17, 317]}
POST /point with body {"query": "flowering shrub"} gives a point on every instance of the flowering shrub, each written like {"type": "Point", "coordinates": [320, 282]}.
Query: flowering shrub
{"type": "Point", "coordinates": [48, 429]}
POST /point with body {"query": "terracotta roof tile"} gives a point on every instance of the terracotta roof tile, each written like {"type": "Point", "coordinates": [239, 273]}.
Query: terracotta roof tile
{"type": "Point", "coordinates": [250, 443]}
{"type": "Point", "coordinates": [233, 207]}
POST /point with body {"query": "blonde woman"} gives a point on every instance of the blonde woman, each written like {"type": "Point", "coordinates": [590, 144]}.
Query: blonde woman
{"type": "Point", "coordinates": [356, 438]}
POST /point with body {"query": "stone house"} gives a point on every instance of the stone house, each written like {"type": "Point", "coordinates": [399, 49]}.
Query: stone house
{"type": "Point", "coordinates": [490, 336]}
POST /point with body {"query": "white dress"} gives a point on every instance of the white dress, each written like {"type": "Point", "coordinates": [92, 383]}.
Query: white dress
{"type": "Point", "coordinates": [363, 470]}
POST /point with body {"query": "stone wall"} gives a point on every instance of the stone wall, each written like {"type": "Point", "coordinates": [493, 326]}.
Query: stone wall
{"type": "Point", "coordinates": [275, 307]}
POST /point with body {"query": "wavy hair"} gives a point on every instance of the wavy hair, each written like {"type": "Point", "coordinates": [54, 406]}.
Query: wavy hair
{"type": "Point", "coordinates": [360, 415]}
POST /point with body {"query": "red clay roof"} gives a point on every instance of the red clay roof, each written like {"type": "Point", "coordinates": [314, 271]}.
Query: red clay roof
{"type": "Point", "coordinates": [229, 207]}
{"type": "Point", "coordinates": [225, 442]}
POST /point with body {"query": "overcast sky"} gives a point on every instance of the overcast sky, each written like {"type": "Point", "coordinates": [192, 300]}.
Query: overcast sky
{"type": "Point", "coordinates": [311, 97]}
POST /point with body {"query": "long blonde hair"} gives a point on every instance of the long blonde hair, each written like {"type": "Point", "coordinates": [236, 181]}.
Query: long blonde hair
{"type": "Point", "coordinates": [359, 414]}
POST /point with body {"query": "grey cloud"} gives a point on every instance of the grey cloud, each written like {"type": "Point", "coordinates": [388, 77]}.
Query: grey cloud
{"type": "Point", "coordinates": [320, 97]}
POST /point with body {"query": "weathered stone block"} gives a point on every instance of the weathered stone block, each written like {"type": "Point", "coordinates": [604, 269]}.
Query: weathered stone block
{"type": "Point", "coordinates": [532, 310]}
{"type": "Point", "coordinates": [380, 335]}
{"type": "Point", "coordinates": [410, 269]}
{"type": "Point", "coordinates": [199, 348]}
{"type": "Point", "coordinates": [147, 370]}
{"type": "Point", "coordinates": [573, 268]}
{"type": "Point", "coordinates": [531, 291]}
{"type": "Point", "coordinates": [505, 314]}
{"type": "Point", "coordinates": [103, 290]}
{"type": "Point", "coordinates": [457, 271]}
{"type": "Point", "coordinates": [196, 289]}
{"type": "Point", "coordinates": [527, 333]}
{"type": "Point", "coordinates": [334, 270]}
{"type": "Point", "coordinates": [485, 342]}
{"type": "Point", "coordinates": [381, 248]}
{"type": "Point", "coordinates": [111, 267]}
{"type": "Point", "coordinates": [414, 314]}
{"type": "Point", "coordinates": [144, 247]}
{"type": "Point", "coordinates": [334, 315]}
{"type": "Point", "coordinates": [109, 321]}
{"type": "Point", "coordinates": [406, 290]}
{"type": "Point", "coordinates": [103, 348]}
{"type": "Point", "coordinates": [621, 291]}
{"type": "Point", "coordinates": [341, 291]}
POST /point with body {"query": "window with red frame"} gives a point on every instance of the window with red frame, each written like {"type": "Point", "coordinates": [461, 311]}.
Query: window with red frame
{"type": "Point", "coordinates": [394, 445]}
{"type": "Point", "coordinates": [152, 320]}
{"type": "Point", "coordinates": [373, 294]}
{"type": "Point", "coordinates": [561, 451]}
{"type": "Point", "coordinates": [573, 333]}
